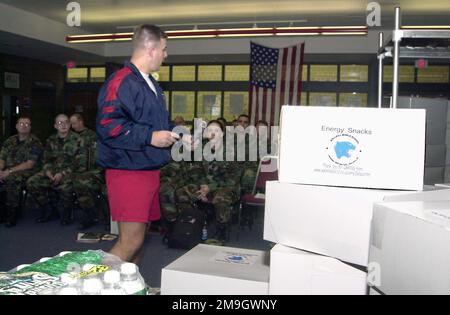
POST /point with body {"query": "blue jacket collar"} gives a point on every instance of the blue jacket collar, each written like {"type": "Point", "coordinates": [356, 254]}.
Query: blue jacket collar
{"type": "Point", "coordinates": [135, 70]}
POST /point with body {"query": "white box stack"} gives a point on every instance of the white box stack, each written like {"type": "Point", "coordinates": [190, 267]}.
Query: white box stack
{"type": "Point", "coordinates": [409, 248]}
{"type": "Point", "coordinates": [334, 164]}
{"type": "Point", "coordinates": [217, 270]}
{"type": "Point", "coordinates": [296, 272]}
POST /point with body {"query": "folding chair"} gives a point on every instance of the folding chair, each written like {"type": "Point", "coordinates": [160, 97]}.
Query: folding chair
{"type": "Point", "coordinates": [267, 171]}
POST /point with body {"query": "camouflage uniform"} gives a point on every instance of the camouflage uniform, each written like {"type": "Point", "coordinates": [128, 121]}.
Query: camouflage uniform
{"type": "Point", "coordinates": [222, 178]}
{"type": "Point", "coordinates": [15, 152]}
{"type": "Point", "coordinates": [89, 183]}
{"type": "Point", "coordinates": [66, 156]}
{"type": "Point", "coordinates": [172, 177]}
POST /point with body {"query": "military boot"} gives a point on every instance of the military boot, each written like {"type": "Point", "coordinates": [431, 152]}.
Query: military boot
{"type": "Point", "coordinates": [66, 216]}
{"type": "Point", "coordinates": [11, 216]}
{"type": "Point", "coordinates": [46, 214]}
{"type": "Point", "coordinates": [89, 219]}
{"type": "Point", "coordinates": [2, 214]}
{"type": "Point", "coordinates": [2, 208]}
{"type": "Point", "coordinates": [221, 232]}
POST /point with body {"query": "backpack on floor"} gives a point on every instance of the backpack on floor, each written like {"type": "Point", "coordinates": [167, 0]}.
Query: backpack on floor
{"type": "Point", "coordinates": [185, 232]}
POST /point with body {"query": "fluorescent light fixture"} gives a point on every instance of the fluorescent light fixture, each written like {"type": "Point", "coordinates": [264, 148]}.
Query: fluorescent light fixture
{"type": "Point", "coordinates": [428, 27]}
{"type": "Point", "coordinates": [230, 32]}
{"type": "Point", "coordinates": [298, 34]}
{"type": "Point", "coordinates": [343, 34]}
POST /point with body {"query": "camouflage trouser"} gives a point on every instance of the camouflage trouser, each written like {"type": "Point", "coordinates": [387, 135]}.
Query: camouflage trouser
{"type": "Point", "coordinates": [14, 185]}
{"type": "Point", "coordinates": [39, 186]}
{"type": "Point", "coordinates": [86, 186]}
{"type": "Point", "coordinates": [169, 211]}
{"type": "Point", "coordinates": [222, 199]}
{"type": "Point", "coordinates": [249, 177]}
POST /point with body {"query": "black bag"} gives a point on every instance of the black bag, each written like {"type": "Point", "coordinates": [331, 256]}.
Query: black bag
{"type": "Point", "coordinates": [187, 228]}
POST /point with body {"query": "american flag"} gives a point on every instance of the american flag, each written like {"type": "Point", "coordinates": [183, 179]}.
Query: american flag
{"type": "Point", "coordinates": [275, 80]}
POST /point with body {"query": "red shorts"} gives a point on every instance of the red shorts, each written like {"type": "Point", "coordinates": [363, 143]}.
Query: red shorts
{"type": "Point", "coordinates": [133, 195]}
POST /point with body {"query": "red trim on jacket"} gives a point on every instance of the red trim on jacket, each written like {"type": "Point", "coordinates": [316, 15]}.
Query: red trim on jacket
{"type": "Point", "coordinates": [115, 132]}
{"type": "Point", "coordinates": [114, 84]}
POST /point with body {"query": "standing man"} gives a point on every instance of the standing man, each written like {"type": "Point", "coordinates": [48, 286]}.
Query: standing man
{"type": "Point", "coordinates": [63, 156]}
{"type": "Point", "coordinates": [133, 137]}
{"type": "Point", "coordinates": [88, 184]}
{"type": "Point", "coordinates": [19, 159]}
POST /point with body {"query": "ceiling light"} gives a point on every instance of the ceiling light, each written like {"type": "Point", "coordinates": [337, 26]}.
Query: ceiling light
{"type": "Point", "coordinates": [230, 32]}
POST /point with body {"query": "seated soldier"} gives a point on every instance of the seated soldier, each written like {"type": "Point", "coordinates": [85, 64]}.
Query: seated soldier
{"type": "Point", "coordinates": [63, 156]}
{"type": "Point", "coordinates": [19, 159]}
{"type": "Point", "coordinates": [213, 180]}
{"type": "Point", "coordinates": [87, 185]}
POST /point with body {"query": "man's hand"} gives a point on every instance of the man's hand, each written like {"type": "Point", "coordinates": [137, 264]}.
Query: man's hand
{"type": "Point", "coordinates": [49, 175]}
{"type": "Point", "coordinates": [203, 192]}
{"type": "Point", "coordinates": [57, 178]}
{"type": "Point", "coordinates": [164, 139]}
{"type": "Point", "coordinates": [3, 175]}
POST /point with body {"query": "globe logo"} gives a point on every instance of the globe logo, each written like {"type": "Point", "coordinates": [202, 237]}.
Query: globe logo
{"type": "Point", "coordinates": [236, 259]}
{"type": "Point", "coordinates": [344, 150]}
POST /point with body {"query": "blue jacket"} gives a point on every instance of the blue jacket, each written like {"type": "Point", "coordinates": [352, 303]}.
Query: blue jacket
{"type": "Point", "coordinates": [128, 113]}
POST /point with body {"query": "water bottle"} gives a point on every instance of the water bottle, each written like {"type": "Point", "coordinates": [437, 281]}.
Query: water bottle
{"type": "Point", "coordinates": [92, 286]}
{"type": "Point", "coordinates": [71, 285]}
{"type": "Point", "coordinates": [205, 232]}
{"type": "Point", "coordinates": [111, 280]}
{"type": "Point", "coordinates": [18, 268]}
{"type": "Point", "coordinates": [132, 283]}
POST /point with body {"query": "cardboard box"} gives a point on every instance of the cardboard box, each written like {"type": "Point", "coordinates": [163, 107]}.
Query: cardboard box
{"type": "Point", "coordinates": [295, 272]}
{"type": "Point", "coordinates": [410, 247]}
{"type": "Point", "coordinates": [434, 193]}
{"type": "Point", "coordinates": [330, 221]}
{"type": "Point", "coordinates": [352, 147]}
{"type": "Point", "coordinates": [217, 270]}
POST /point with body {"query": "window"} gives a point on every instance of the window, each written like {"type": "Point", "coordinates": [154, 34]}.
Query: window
{"type": "Point", "coordinates": [304, 100]}
{"type": "Point", "coordinates": [322, 99]}
{"type": "Point", "coordinates": [324, 73]}
{"type": "Point", "coordinates": [210, 73]}
{"type": "Point", "coordinates": [97, 74]}
{"type": "Point", "coordinates": [183, 73]}
{"type": "Point", "coordinates": [406, 74]}
{"type": "Point", "coordinates": [354, 73]}
{"type": "Point", "coordinates": [167, 96]}
{"type": "Point", "coordinates": [163, 75]}
{"type": "Point", "coordinates": [209, 105]}
{"type": "Point", "coordinates": [237, 73]}
{"type": "Point", "coordinates": [433, 74]}
{"type": "Point", "coordinates": [353, 99]}
{"type": "Point", "coordinates": [235, 104]}
{"type": "Point", "coordinates": [305, 73]}
{"type": "Point", "coordinates": [76, 75]}
{"type": "Point", "coordinates": [183, 104]}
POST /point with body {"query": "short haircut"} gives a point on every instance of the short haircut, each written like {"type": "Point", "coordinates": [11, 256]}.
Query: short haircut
{"type": "Point", "coordinates": [78, 117]}
{"type": "Point", "coordinates": [244, 115]}
{"type": "Point", "coordinates": [147, 33]}
{"type": "Point", "coordinates": [22, 117]}
{"type": "Point", "coordinates": [61, 115]}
